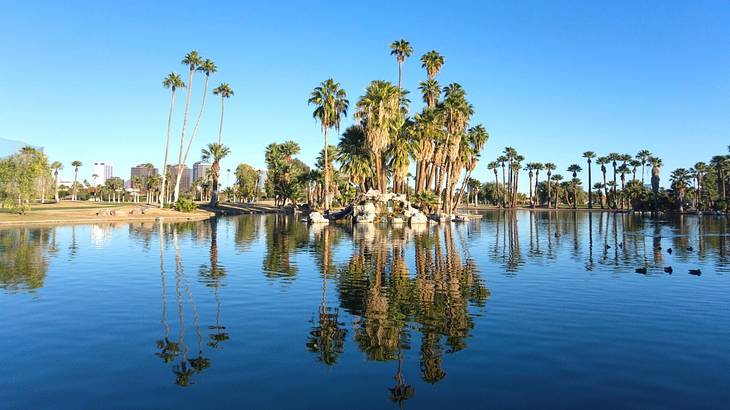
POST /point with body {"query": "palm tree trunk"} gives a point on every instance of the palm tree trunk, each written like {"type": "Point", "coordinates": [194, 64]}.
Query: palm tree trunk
{"type": "Point", "coordinates": [55, 178]}
{"type": "Point", "coordinates": [532, 205]}
{"type": "Point", "coordinates": [326, 174]}
{"type": "Point", "coordinates": [176, 192]}
{"type": "Point", "coordinates": [184, 159]}
{"type": "Point", "coordinates": [167, 147]}
{"type": "Point", "coordinates": [590, 185]}
{"type": "Point", "coordinates": [220, 128]}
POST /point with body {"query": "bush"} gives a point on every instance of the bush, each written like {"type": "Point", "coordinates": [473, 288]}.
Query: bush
{"type": "Point", "coordinates": [720, 206]}
{"type": "Point", "coordinates": [185, 205]}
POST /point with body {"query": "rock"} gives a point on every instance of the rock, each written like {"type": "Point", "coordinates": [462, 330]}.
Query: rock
{"type": "Point", "coordinates": [118, 212]}
{"type": "Point", "coordinates": [418, 217]}
{"type": "Point", "coordinates": [103, 212]}
{"type": "Point", "coordinates": [461, 218]}
{"type": "Point", "coordinates": [317, 218]}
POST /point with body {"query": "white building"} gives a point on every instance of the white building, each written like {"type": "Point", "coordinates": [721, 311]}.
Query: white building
{"type": "Point", "coordinates": [103, 171]}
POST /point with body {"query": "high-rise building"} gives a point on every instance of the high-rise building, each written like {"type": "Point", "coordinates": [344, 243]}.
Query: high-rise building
{"type": "Point", "coordinates": [200, 168]}
{"type": "Point", "coordinates": [142, 171]}
{"type": "Point", "coordinates": [186, 180]}
{"type": "Point", "coordinates": [103, 171]}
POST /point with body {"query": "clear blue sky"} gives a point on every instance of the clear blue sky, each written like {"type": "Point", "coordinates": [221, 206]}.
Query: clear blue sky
{"type": "Point", "coordinates": [551, 78]}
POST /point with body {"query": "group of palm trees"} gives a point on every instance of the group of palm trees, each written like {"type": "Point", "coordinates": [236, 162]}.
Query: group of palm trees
{"type": "Point", "coordinates": [380, 146]}
{"type": "Point", "coordinates": [215, 151]}
{"type": "Point", "coordinates": [607, 191]}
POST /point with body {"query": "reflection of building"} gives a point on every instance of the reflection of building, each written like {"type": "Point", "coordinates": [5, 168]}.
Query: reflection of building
{"type": "Point", "coordinates": [142, 171]}
{"type": "Point", "coordinates": [186, 180]}
{"type": "Point", "coordinates": [200, 169]}
{"type": "Point", "coordinates": [103, 171]}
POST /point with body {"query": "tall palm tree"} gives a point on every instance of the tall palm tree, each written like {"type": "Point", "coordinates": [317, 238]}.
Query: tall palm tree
{"type": "Point", "coordinates": [172, 82]}
{"type": "Point", "coordinates": [557, 178]}
{"type": "Point", "coordinates": [331, 105]}
{"type": "Point", "coordinates": [432, 62]}
{"type": "Point", "coordinates": [193, 61]}
{"type": "Point", "coordinates": [680, 180]}
{"type": "Point", "coordinates": [225, 91]}
{"type": "Point", "coordinates": [614, 158]}
{"type": "Point", "coordinates": [530, 168]}
{"type": "Point", "coordinates": [457, 112]}
{"type": "Point", "coordinates": [381, 113]}
{"type": "Point", "coordinates": [207, 67]}
{"type": "Point", "coordinates": [550, 167]}
{"type": "Point", "coordinates": [538, 166]}
{"type": "Point", "coordinates": [354, 156]}
{"type": "Point", "coordinates": [700, 171]}
{"type": "Point", "coordinates": [643, 156]}
{"type": "Point", "coordinates": [623, 169]}
{"type": "Point", "coordinates": [603, 161]}
{"type": "Point", "coordinates": [494, 165]}
{"type": "Point", "coordinates": [589, 155]}
{"type": "Point", "coordinates": [76, 164]}
{"type": "Point", "coordinates": [575, 169]}
{"type": "Point", "coordinates": [215, 152]}
{"type": "Point", "coordinates": [401, 49]}
{"type": "Point", "coordinates": [502, 159]}
{"type": "Point", "coordinates": [56, 166]}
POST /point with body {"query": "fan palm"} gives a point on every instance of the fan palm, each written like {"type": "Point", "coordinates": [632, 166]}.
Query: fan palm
{"type": "Point", "coordinates": [331, 105]}
{"type": "Point", "coordinates": [401, 49]}
{"type": "Point", "coordinates": [76, 164]}
{"type": "Point", "coordinates": [643, 156]}
{"type": "Point", "coordinates": [589, 155]}
{"type": "Point", "coordinates": [575, 169]}
{"type": "Point", "coordinates": [193, 61]}
{"type": "Point", "coordinates": [432, 62]}
{"type": "Point", "coordinates": [171, 82]}
{"type": "Point", "coordinates": [431, 91]}
{"type": "Point", "coordinates": [56, 166]}
{"type": "Point", "coordinates": [557, 178]}
{"type": "Point", "coordinates": [215, 152]}
{"type": "Point", "coordinates": [354, 156]}
{"type": "Point", "coordinates": [549, 167]}
{"type": "Point", "coordinates": [380, 111]}
{"type": "Point", "coordinates": [225, 91]}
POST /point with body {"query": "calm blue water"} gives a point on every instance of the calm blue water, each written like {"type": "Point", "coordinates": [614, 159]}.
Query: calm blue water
{"type": "Point", "coordinates": [518, 310]}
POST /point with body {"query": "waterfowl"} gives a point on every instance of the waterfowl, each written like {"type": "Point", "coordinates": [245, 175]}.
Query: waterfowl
{"type": "Point", "coordinates": [668, 269]}
{"type": "Point", "coordinates": [690, 249]}
{"type": "Point", "coordinates": [669, 251]}
{"type": "Point", "coordinates": [641, 270]}
{"type": "Point", "coordinates": [658, 248]}
{"type": "Point", "coordinates": [695, 272]}
{"type": "Point", "coordinates": [621, 245]}
{"type": "Point", "coordinates": [608, 246]}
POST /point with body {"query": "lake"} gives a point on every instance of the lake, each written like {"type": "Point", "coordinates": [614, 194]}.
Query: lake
{"type": "Point", "coordinates": [516, 310]}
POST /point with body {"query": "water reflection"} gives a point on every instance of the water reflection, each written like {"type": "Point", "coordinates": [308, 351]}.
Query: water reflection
{"type": "Point", "coordinates": [396, 295]}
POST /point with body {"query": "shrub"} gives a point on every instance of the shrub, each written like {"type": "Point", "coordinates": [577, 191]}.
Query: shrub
{"type": "Point", "coordinates": [185, 205]}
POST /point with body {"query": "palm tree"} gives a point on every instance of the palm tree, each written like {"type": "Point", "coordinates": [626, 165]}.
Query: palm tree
{"type": "Point", "coordinates": [493, 166]}
{"type": "Point", "coordinates": [225, 91]}
{"type": "Point", "coordinates": [381, 113]}
{"type": "Point", "coordinates": [401, 49]}
{"type": "Point", "coordinates": [634, 164]}
{"type": "Point", "coordinates": [56, 166]}
{"type": "Point", "coordinates": [530, 168]}
{"type": "Point", "coordinates": [623, 169]}
{"type": "Point", "coordinates": [354, 157]}
{"type": "Point", "coordinates": [172, 82]}
{"type": "Point", "coordinates": [700, 171]}
{"type": "Point", "coordinates": [550, 167]}
{"type": "Point", "coordinates": [93, 183]}
{"type": "Point", "coordinates": [557, 178]}
{"type": "Point", "coordinates": [432, 62]}
{"type": "Point", "coordinates": [589, 155]}
{"type": "Point", "coordinates": [575, 169]}
{"type": "Point", "coordinates": [431, 91]}
{"type": "Point", "coordinates": [457, 113]}
{"type": "Point", "coordinates": [538, 166]}
{"type": "Point", "coordinates": [603, 161]}
{"type": "Point", "coordinates": [331, 106]}
{"type": "Point", "coordinates": [643, 156]}
{"type": "Point", "coordinates": [76, 164]}
{"type": "Point", "coordinates": [214, 152]}
{"type": "Point", "coordinates": [614, 158]}
{"type": "Point", "coordinates": [502, 159]}
{"type": "Point", "coordinates": [192, 60]}
{"type": "Point", "coordinates": [680, 180]}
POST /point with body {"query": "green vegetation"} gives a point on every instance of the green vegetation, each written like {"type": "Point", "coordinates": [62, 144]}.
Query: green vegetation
{"type": "Point", "coordinates": [24, 176]}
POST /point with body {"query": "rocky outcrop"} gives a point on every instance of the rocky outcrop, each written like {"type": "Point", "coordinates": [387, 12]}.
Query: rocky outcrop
{"type": "Point", "coordinates": [317, 218]}
{"type": "Point", "coordinates": [373, 206]}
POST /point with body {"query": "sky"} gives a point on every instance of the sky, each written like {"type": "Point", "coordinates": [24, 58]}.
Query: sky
{"type": "Point", "coordinates": [550, 78]}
